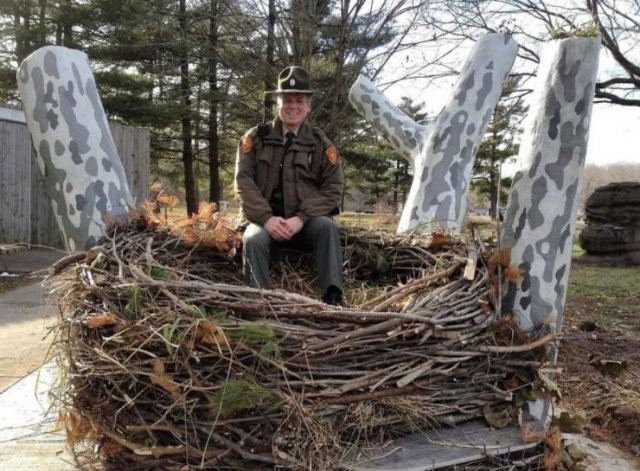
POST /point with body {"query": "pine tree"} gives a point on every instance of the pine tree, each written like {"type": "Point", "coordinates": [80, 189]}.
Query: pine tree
{"type": "Point", "coordinates": [498, 146]}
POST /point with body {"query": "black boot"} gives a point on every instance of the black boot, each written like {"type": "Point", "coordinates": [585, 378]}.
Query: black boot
{"type": "Point", "coordinates": [333, 296]}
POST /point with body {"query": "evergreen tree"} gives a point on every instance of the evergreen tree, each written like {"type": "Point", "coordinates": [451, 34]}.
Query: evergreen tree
{"type": "Point", "coordinates": [195, 76]}
{"type": "Point", "coordinates": [498, 146]}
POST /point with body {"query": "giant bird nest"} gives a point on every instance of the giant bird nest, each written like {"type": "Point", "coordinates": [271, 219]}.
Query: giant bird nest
{"type": "Point", "coordinates": [169, 362]}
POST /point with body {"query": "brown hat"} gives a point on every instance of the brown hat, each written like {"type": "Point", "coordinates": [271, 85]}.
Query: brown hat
{"type": "Point", "coordinates": [293, 79]}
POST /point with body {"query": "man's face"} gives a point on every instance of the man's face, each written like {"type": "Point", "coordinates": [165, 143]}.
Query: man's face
{"type": "Point", "coordinates": [293, 108]}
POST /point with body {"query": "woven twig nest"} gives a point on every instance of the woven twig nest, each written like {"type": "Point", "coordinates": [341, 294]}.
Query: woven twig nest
{"type": "Point", "coordinates": [169, 361]}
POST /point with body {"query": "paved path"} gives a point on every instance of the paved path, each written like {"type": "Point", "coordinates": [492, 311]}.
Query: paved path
{"type": "Point", "coordinates": [29, 438]}
{"type": "Point", "coordinates": [25, 316]}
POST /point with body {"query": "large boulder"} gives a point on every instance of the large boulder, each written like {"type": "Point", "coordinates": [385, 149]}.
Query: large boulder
{"type": "Point", "coordinates": [613, 224]}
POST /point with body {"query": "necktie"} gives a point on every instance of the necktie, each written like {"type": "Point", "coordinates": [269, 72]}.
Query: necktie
{"type": "Point", "coordinates": [288, 141]}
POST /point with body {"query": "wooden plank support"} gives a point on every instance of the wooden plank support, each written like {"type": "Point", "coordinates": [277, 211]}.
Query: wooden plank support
{"type": "Point", "coordinates": [13, 248]}
{"type": "Point", "coordinates": [472, 261]}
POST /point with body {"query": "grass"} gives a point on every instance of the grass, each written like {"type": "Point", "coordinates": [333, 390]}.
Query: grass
{"type": "Point", "coordinates": [606, 296]}
{"type": "Point", "coordinates": [378, 221]}
{"type": "Point", "coordinates": [8, 283]}
{"type": "Point", "coordinates": [604, 282]}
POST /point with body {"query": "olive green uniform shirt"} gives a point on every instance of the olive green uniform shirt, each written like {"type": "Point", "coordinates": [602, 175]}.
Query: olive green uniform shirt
{"type": "Point", "coordinates": [312, 179]}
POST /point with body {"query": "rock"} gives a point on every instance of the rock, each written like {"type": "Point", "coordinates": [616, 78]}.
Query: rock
{"type": "Point", "coordinates": [609, 238]}
{"type": "Point", "coordinates": [612, 233]}
{"type": "Point", "coordinates": [617, 203]}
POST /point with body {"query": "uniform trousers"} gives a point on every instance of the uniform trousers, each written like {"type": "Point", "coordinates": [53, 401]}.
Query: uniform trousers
{"type": "Point", "coordinates": [319, 235]}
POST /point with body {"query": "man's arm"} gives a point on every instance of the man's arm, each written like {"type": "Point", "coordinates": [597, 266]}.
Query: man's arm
{"type": "Point", "coordinates": [327, 198]}
{"type": "Point", "coordinates": [254, 205]}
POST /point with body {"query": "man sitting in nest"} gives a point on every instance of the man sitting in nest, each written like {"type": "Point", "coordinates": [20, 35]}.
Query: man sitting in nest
{"type": "Point", "coordinates": [289, 181]}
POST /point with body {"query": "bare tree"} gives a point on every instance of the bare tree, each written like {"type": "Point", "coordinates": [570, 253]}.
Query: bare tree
{"type": "Point", "coordinates": [620, 32]}
{"type": "Point", "coordinates": [534, 21]}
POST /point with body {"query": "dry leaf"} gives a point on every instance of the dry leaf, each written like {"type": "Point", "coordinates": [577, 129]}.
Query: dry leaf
{"type": "Point", "coordinates": [77, 427]}
{"type": "Point", "coordinates": [110, 448]}
{"type": "Point", "coordinates": [608, 367]}
{"type": "Point", "coordinates": [440, 239]}
{"type": "Point", "coordinates": [529, 435]}
{"type": "Point", "coordinates": [549, 385]}
{"type": "Point", "coordinates": [514, 274]}
{"type": "Point", "coordinates": [553, 455]}
{"type": "Point", "coordinates": [484, 305]}
{"type": "Point", "coordinates": [500, 258]}
{"type": "Point", "coordinates": [208, 332]}
{"type": "Point", "coordinates": [168, 200]}
{"type": "Point", "coordinates": [104, 320]}
{"type": "Point", "coordinates": [163, 380]}
{"type": "Point", "coordinates": [569, 423]}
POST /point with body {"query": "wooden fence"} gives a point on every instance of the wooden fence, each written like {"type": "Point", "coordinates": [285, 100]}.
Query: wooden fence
{"type": "Point", "coordinates": [26, 213]}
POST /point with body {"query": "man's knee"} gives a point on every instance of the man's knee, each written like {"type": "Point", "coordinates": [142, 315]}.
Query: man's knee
{"type": "Point", "coordinates": [324, 225]}
{"type": "Point", "coordinates": [256, 238]}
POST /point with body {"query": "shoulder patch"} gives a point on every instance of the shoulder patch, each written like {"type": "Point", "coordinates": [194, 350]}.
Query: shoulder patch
{"type": "Point", "coordinates": [247, 144]}
{"type": "Point", "coordinates": [332, 155]}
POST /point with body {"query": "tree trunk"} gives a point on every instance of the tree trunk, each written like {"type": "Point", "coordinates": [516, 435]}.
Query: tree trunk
{"type": "Point", "coordinates": [269, 82]}
{"type": "Point", "coordinates": [187, 152]}
{"type": "Point", "coordinates": [42, 22]}
{"type": "Point", "coordinates": [215, 190]}
{"type": "Point", "coordinates": [494, 178]}
{"type": "Point", "coordinates": [396, 185]}
{"type": "Point", "coordinates": [493, 191]}
{"type": "Point", "coordinates": [19, 36]}
{"type": "Point", "coordinates": [338, 79]}
{"type": "Point", "coordinates": [67, 25]}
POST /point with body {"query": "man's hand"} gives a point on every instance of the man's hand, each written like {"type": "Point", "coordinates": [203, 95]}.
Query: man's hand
{"type": "Point", "coordinates": [277, 228]}
{"type": "Point", "coordinates": [294, 224]}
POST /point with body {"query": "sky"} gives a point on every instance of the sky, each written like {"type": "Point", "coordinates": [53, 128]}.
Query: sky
{"type": "Point", "coordinates": [614, 136]}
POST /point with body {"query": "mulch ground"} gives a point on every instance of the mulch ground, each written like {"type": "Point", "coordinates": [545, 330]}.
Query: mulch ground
{"type": "Point", "coordinates": [599, 332]}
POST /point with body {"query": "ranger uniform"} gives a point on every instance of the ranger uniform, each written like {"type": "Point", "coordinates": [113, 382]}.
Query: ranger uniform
{"type": "Point", "coordinates": [285, 175]}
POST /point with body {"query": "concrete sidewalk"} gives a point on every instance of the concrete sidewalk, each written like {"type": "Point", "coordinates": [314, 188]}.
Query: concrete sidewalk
{"type": "Point", "coordinates": [25, 318]}
{"type": "Point", "coordinates": [25, 315]}
{"type": "Point", "coordinates": [29, 438]}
